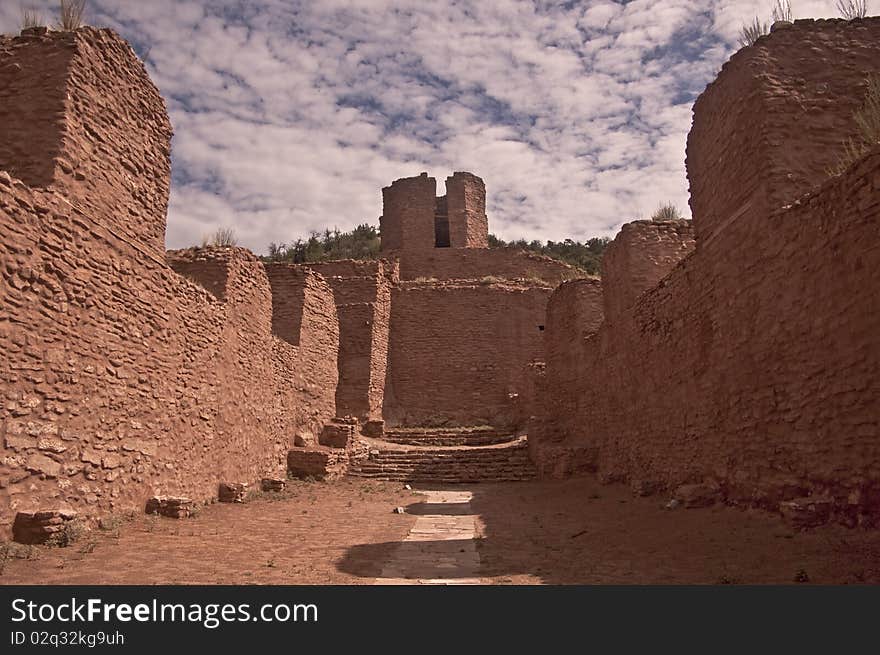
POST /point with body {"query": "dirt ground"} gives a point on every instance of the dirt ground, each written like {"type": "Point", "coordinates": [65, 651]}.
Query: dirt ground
{"type": "Point", "coordinates": [296, 539]}
{"type": "Point", "coordinates": [548, 532]}
{"type": "Point", "coordinates": [579, 531]}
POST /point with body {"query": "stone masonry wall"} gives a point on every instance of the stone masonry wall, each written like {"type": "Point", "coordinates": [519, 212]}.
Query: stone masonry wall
{"type": "Point", "coordinates": [460, 353]}
{"type": "Point", "coordinates": [642, 253]}
{"type": "Point", "coordinates": [74, 101]}
{"type": "Point", "coordinates": [407, 221]}
{"type": "Point", "coordinates": [466, 211]}
{"type": "Point", "coordinates": [120, 377]}
{"type": "Point", "coordinates": [768, 130]}
{"type": "Point", "coordinates": [362, 292]}
{"type": "Point", "coordinates": [754, 366]}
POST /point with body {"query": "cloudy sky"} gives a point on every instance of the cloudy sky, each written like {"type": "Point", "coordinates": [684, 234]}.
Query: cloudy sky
{"type": "Point", "coordinates": [290, 116]}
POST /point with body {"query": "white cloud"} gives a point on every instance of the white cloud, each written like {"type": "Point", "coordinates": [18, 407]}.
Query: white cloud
{"type": "Point", "coordinates": [291, 116]}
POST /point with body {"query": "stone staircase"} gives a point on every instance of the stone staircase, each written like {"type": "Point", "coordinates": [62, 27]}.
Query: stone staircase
{"type": "Point", "coordinates": [467, 458]}
{"type": "Point", "coordinates": [478, 436]}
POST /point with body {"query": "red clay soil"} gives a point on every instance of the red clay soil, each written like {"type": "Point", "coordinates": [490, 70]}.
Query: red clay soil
{"type": "Point", "coordinates": [297, 539]}
{"type": "Point", "coordinates": [578, 531]}
{"type": "Point", "coordinates": [540, 532]}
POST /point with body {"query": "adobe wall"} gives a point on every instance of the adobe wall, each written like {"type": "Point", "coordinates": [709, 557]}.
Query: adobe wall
{"type": "Point", "coordinates": [466, 211]}
{"type": "Point", "coordinates": [73, 101]}
{"type": "Point", "coordinates": [362, 293]}
{"type": "Point", "coordinates": [120, 377]}
{"type": "Point", "coordinates": [754, 366]}
{"type": "Point", "coordinates": [408, 209]}
{"type": "Point", "coordinates": [641, 254]}
{"type": "Point", "coordinates": [773, 123]}
{"type": "Point", "coordinates": [460, 353]}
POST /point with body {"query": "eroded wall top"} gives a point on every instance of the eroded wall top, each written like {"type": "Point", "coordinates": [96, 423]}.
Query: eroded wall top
{"type": "Point", "coordinates": [774, 123]}
{"type": "Point", "coordinates": [79, 114]}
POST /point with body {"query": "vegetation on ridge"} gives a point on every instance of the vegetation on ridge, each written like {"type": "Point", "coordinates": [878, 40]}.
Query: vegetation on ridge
{"type": "Point", "coordinates": [852, 9]}
{"type": "Point", "coordinates": [780, 11]}
{"type": "Point", "coordinates": [363, 242]}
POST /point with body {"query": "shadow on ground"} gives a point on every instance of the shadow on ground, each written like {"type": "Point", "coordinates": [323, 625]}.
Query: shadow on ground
{"type": "Point", "coordinates": [579, 531]}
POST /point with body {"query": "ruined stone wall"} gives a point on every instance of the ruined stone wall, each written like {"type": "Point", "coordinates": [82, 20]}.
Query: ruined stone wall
{"type": "Point", "coordinates": [408, 211]}
{"type": "Point", "coordinates": [777, 117]}
{"type": "Point", "coordinates": [754, 366]}
{"type": "Point", "coordinates": [460, 353]}
{"type": "Point", "coordinates": [466, 211]}
{"type": "Point", "coordinates": [120, 377]}
{"type": "Point", "coordinates": [71, 103]}
{"type": "Point", "coordinates": [362, 292]}
{"type": "Point", "coordinates": [642, 253]}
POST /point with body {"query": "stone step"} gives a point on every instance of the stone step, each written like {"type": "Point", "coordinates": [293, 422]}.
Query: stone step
{"type": "Point", "coordinates": [447, 436]}
{"type": "Point", "coordinates": [447, 464]}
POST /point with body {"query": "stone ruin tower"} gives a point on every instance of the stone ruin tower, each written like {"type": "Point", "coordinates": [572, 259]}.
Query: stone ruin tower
{"type": "Point", "coordinates": [415, 219]}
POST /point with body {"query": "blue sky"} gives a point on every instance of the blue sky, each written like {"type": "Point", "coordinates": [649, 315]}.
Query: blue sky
{"type": "Point", "coordinates": [291, 116]}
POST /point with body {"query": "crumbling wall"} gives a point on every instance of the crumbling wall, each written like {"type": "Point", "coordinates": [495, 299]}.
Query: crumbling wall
{"type": "Point", "coordinates": [642, 253]}
{"type": "Point", "coordinates": [777, 117]}
{"type": "Point", "coordinates": [757, 369]}
{"type": "Point", "coordinates": [362, 292]}
{"type": "Point", "coordinates": [121, 378]}
{"type": "Point", "coordinates": [75, 101]}
{"type": "Point", "coordinates": [408, 218]}
{"type": "Point", "coordinates": [466, 211]}
{"type": "Point", "coordinates": [753, 367]}
{"type": "Point", "coordinates": [460, 353]}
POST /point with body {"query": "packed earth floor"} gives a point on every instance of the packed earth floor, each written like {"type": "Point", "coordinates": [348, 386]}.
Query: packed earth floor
{"type": "Point", "coordinates": [540, 532]}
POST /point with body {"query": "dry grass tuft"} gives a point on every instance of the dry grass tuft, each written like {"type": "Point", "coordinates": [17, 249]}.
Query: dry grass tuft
{"type": "Point", "coordinates": [852, 9]}
{"type": "Point", "coordinates": [224, 236]}
{"type": "Point", "coordinates": [71, 13]}
{"type": "Point", "coordinates": [867, 119]}
{"type": "Point", "coordinates": [750, 33]}
{"type": "Point", "coordinates": [666, 212]}
{"type": "Point", "coordinates": [31, 18]}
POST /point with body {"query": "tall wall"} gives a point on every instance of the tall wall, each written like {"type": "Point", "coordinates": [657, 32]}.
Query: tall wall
{"type": "Point", "coordinates": [120, 377]}
{"type": "Point", "coordinates": [642, 253]}
{"type": "Point", "coordinates": [460, 353]}
{"type": "Point", "coordinates": [466, 211]}
{"type": "Point", "coordinates": [754, 365]}
{"type": "Point", "coordinates": [73, 101]}
{"type": "Point", "coordinates": [362, 292]}
{"type": "Point", "coordinates": [408, 210]}
{"type": "Point", "coordinates": [777, 118]}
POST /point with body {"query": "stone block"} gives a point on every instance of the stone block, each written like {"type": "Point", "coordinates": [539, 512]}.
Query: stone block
{"type": "Point", "coordinates": [175, 507]}
{"type": "Point", "coordinates": [232, 492]}
{"type": "Point", "coordinates": [806, 512]}
{"type": "Point", "coordinates": [41, 526]}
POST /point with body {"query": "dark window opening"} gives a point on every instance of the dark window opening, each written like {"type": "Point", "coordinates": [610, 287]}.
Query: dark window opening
{"type": "Point", "coordinates": [541, 328]}
{"type": "Point", "coordinates": [441, 224]}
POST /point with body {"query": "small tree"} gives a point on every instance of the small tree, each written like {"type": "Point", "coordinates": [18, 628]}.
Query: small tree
{"type": "Point", "coordinates": [666, 212]}
{"type": "Point", "coordinates": [852, 9]}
